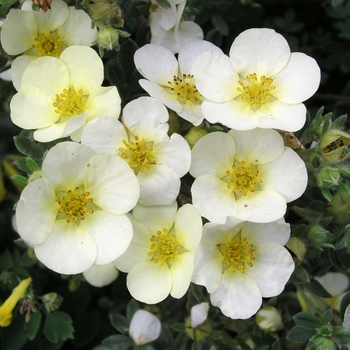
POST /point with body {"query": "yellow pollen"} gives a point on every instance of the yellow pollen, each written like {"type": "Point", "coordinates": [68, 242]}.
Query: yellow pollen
{"type": "Point", "coordinates": [138, 154]}
{"type": "Point", "coordinates": [237, 254]}
{"type": "Point", "coordinates": [164, 247]}
{"type": "Point", "coordinates": [256, 91]}
{"type": "Point", "coordinates": [48, 45]}
{"type": "Point", "coordinates": [70, 103]}
{"type": "Point", "coordinates": [74, 205]}
{"type": "Point", "coordinates": [184, 89]}
{"type": "Point", "coordinates": [242, 178]}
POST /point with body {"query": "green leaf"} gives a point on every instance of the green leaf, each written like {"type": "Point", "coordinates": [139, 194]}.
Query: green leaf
{"type": "Point", "coordinates": [20, 180]}
{"type": "Point", "coordinates": [302, 274]}
{"type": "Point", "coordinates": [307, 320]}
{"type": "Point", "coordinates": [164, 4]}
{"type": "Point", "coordinates": [316, 162]}
{"type": "Point", "coordinates": [197, 291]}
{"type": "Point", "coordinates": [344, 336]}
{"type": "Point", "coordinates": [319, 289]}
{"type": "Point", "coordinates": [344, 304]}
{"type": "Point", "coordinates": [131, 308]}
{"type": "Point", "coordinates": [28, 147]}
{"type": "Point", "coordinates": [300, 334]}
{"type": "Point", "coordinates": [58, 326]}
{"type": "Point", "coordinates": [115, 75]}
{"type": "Point", "coordinates": [214, 36]}
{"type": "Point", "coordinates": [220, 23]}
{"type": "Point", "coordinates": [196, 345]}
{"type": "Point", "coordinates": [327, 317]}
{"type": "Point", "coordinates": [326, 194]}
{"type": "Point", "coordinates": [6, 260]}
{"type": "Point", "coordinates": [7, 2]}
{"type": "Point", "coordinates": [117, 342]}
{"type": "Point", "coordinates": [126, 59]}
{"type": "Point", "coordinates": [119, 322]}
{"type": "Point", "coordinates": [32, 327]}
{"type": "Point", "coordinates": [343, 188]}
{"type": "Point", "coordinates": [22, 165]}
{"type": "Point", "coordinates": [32, 165]}
{"type": "Point", "coordinates": [339, 122]}
{"type": "Point", "coordinates": [13, 336]}
{"type": "Point", "coordinates": [178, 327]}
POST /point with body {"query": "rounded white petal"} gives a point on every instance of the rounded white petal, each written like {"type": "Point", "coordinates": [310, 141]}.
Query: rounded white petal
{"type": "Point", "coordinates": [175, 153]}
{"type": "Point", "coordinates": [144, 327]}
{"type": "Point", "coordinates": [233, 114]}
{"type": "Point", "coordinates": [149, 282]}
{"type": "Point", "coordinates": [68, 249]}
{"type": "Point", "coordinates": [260, 51]}
{"type": "Point", "coordinates": [258, 146]}
{"type": "Point", "coordinates": [213, 154]}
{"type": "Point", "coordinates": [36, 211]}
{"type": "Point", "coordinates": [65, 163]}
{"type": "Point", "coordinates": [77, 29]}
{"type": "Point", "coordinates": [213, 199]}
{"type": "Point", "coordinates": [272, 267]}
{"type": "Point", "coordinates": [101, 275]}
{"type": "Point", "coordinates": [104, 135]}
{"type": "Point", "coordinates": [155, 218]}
{"type": "Point", "coordinates": [37, 104]}
{"type": "Point", "coordinates": [17, 69]}
{"type": "Point", "coordinates": [18, 31]}
{"type": "Point", "coordinates": [299, 80]}
{"type": "Point", "coordinates": [112, 184]}
{"type": "Point", "coordinates": [187, 31]}
{"type": "Point", "coordinates": [156, 63]}
{"type": "Point", "coordinates": [335, 283]}
{"type": "Point", "coordinates": [215, 76]}
{"type": "Point", "coordinates": [181, 272]}
{"type": "Point", "coordinates": [50, 133]}
{"type": "Point", "coordinates": [279, 115]}
{"type": "Point", "coordinates": [145, 117]}
{"type": "Point", "coordinates": [287, 175]}
{"type": "Point", "coordinates": [190, 51]}
{"type": "Point", "coordinates": [199, 313]}
{"type": "Point", "coordinates": [192, 112]}
{"type": "Point", "coordinates": [159, 185]}
{"type": "Point", "coordinates": [85, 67]}
{"type": "Point", "coordinates": [214, 233]}
{"type": "Point", "coordinates": [112, 234]}
{"type": "Point", "coordinates": [238, 296]}
{"type": "Point", "coordinates": [261, 206]}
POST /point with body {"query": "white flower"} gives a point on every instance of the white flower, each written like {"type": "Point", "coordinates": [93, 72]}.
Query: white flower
{"type": "Point", "coordinates": [171, 81]}
{"type": "Point", "coordinates": [199, 313]}
{"type": "Point", "coordinates": [168, 28]}
{"type": "Point", "coordinates": [240, 263]}
{"type": "Point", "coordinates": [39, 33]}
{"type": "Point", "coordinates": [74, 215]}
{"type": "Point", "coordinates": [260, 85]}
{"type": "Point", "coordinates": [101, 275]}
{"type": "Point", "coordinates": [246, 174]}
{"type": "Point", "coordinates": [144, 327]}
{"type": "Point", "coordinates": [157, 159]}
{"type": "Point", "coordinates": [269, 319]}
{"type": "Point", "coordinates": [160, 257]}
{"type": "Point", "coordinates": [59, 95]}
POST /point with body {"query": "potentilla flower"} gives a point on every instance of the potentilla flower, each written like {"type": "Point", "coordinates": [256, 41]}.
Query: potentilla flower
{"type": "Point", "coordinates": [160, 257]}
{"type": "Point", "coordinates": [171, 81]}
{"type": "Point", "coordinates": [39, 33]}
{"type": "Point", "coordinates": [169, 29]}
{"type": "Point", "coordinates": [74, 216]}
{"type": "Point", "coordinates": [249, 174]}
{"type": "Point", "coordinates": [240, 263]}
{"type": "Point", "coordinates": [59, 95]}
{"type": "Point", "coordinates": [7, 307]}
{"type": "Point", "coordinates": [158, 161]}
{"type": "Point", "coordinates": [262, 84]}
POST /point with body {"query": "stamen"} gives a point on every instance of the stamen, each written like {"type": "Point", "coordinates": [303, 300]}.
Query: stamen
{"type": "Point", "coordinates": [184, 89]}
{"type": "Point", "coordinates": [48, 45]}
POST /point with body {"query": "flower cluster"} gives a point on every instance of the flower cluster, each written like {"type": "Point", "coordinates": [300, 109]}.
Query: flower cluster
{"type": "Point", "coordinates": [106, 199]}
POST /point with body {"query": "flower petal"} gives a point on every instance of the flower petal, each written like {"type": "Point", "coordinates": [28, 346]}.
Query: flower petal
{"type": "Point", "coordinates": [286, 175]}
{"type": "Point", "coordinates": [50, 133]}
{"type": "Point", "coordinates": [68, 249]}
{"type": "Point", "coordinates": [291, 83]}
{"type": "Point", "coordinates": [112, 234]}
{"type": "Point", "coordinates": [181, 272]}
{"type": "Point", "coordinates": [18, 67]}
{"type": "Point", "coordinates": [149, 282]}
{"type": "Point", "coordinates": [261, 51]}
{"type": "Point", "coordinates": [156, 63]}
{"type": "Point", "coordinates": [213, 199]}
{"type": "Point", "coordinates": [159, 185]}
{"type": "Point", "coordinates": [101, 275]}
{"type": "Point", "coordinates": [52, 19]}
{"type": "Point", "coordinates": [272, 267]}
{"type": "Point", "coordinates": [116, 190]}
{"type": "Point", "coordinates": [36, 211]}
{"type": "Point", "coordinates": [238, 296]}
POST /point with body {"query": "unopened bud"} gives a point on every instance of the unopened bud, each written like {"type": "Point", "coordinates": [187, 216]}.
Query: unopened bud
{"type": "Point", "coordinates": [269, 319]}
{"type": "Point", "coordinates": [195, 134]}
{"type": "Point", "coordinates": [199, 333]}
{"type": "Point", "coordinates": [108, 38]}
{"type": "Point", "coordinates": [328, 177]}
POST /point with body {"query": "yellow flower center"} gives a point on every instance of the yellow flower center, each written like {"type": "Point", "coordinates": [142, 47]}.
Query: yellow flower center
{"type": "Point", "coordinates": [237, 254]}
{"type": "Point", "coordinates": [48, 45]}
{"type": "Point", "coordinates": [242, 178]}
{"type": "Point", "coordinates": [74, 204]}
{"type": "Point", "coordinates": [70, 102]}
{"type": "Point", "coordinates": [256, 91]}
{"type": "Point", "coordinates": [165, 247]}
{"type": "Point", "coordinates": [138, 154]}
{"type": "Point", "coordinates": [184, 89]}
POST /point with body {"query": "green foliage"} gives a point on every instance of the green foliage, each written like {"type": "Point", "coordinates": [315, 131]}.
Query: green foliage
{"type": "Point", "coordinates": [58, 327]}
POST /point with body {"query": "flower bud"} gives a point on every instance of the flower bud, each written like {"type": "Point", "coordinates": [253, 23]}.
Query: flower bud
{"type": "Point", "coordinates": [195, 134]}
{"type": "Point", "coordinates": [108, 38]}
{"type": "Point", "coordinates": [328, 177]}
{"type": "Point", "coordinates": [199, 313]}
{"type": "Point", "coordinates": [199, 333]}
{"type": "Point", "coordinates": [269, 319]}
{"type": "Point", "coordinates": [333, 144]}
{"type": "Point", "coordinates": [339, 208]}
